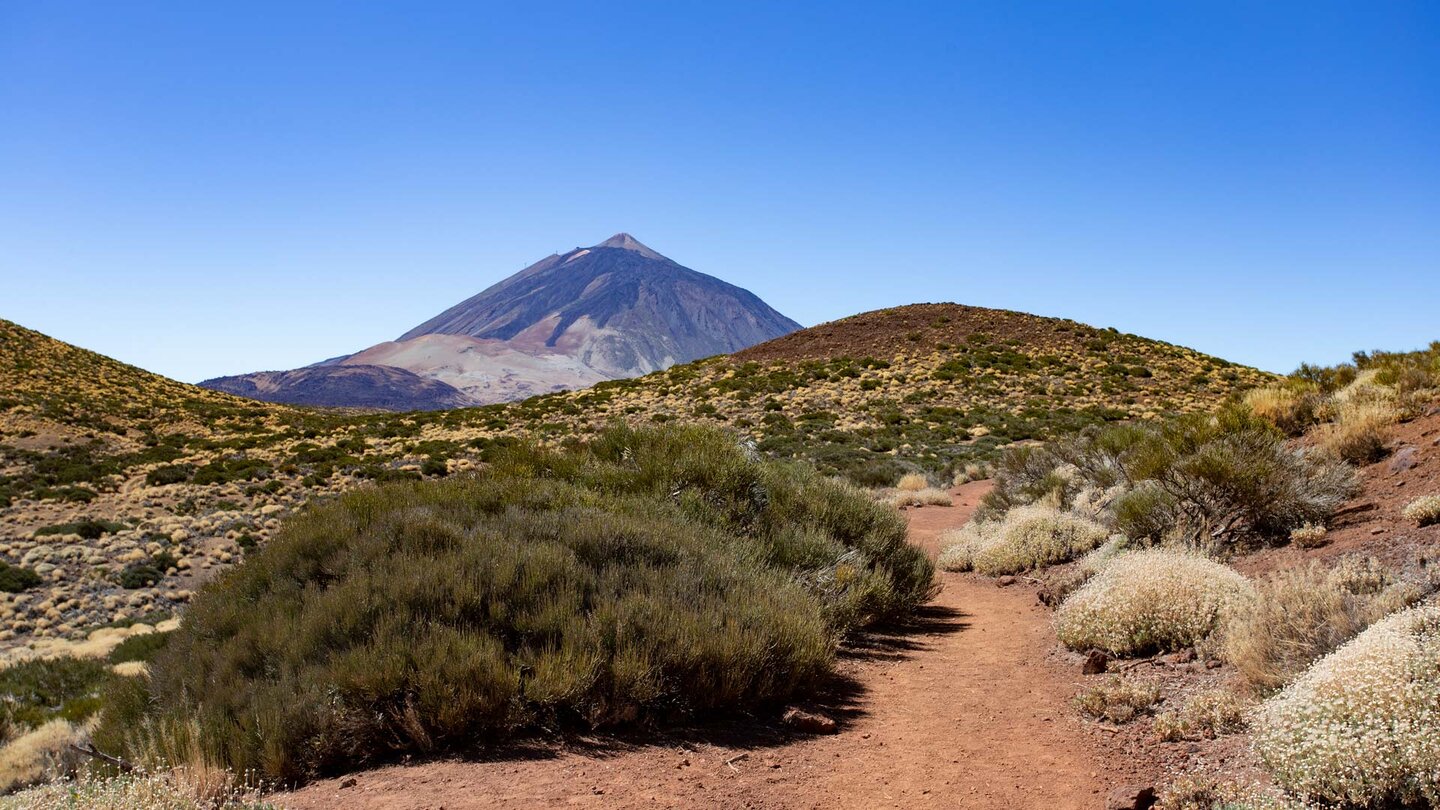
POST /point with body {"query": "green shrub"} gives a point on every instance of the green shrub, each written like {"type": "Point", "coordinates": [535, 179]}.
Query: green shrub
{"type": "Point", "coordinates": [37, 691]}
{"type": "Point", "coordinates": [1200, 476]}
{"type": "Point", "coordinates": [15, 578]}
{"type": "Point", "coordinates": [139, 575]}
{"type": "Point", "coordinates": [169, 474]}
{"type": "Point", "coordinates": [142, 647]}
{"type": "Point", "coordinates": [87, 528]}
{"type": "Point", "coordinates": [646, 575]}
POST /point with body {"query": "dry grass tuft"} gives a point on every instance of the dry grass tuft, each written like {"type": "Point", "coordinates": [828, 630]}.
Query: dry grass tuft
{"type": "Point", "coordinates": [930, 496]}
{"type": "Point", "coordinates": [1311, 535]}
{"type": "Point", "coordinates": [1425, 510]}
{"type": "Point", "coordinates": [1358, 728]}
{"type": "Point", "coordinates": [1206, 715]}
{"type": "Point", "coordinates": [1151, 600]}
{"type": "Point", "coordinates": [42, 753]}
{"type": "Point", "coordinates": [1301, 614]}
{"type": "Point", "coordinates": [1290, 408]}
{"type": "Point", "coordinates": [1361, 430]}
{"type": "Point", "coordinates": [912, 482]}
{"type": "Point", "coordinates": [1118, 700]}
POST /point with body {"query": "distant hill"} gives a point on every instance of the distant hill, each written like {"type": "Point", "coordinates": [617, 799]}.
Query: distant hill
{"type": "Point", "coordinates": [614, 310]}
{"type": "Point", "coordinates": [360, 386]}
{"type": "Point", "coordinates": [925, 386]}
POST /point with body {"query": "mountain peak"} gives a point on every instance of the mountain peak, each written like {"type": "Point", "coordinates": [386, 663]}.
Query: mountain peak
{"type": "Point", "coordinates": [625, 241]}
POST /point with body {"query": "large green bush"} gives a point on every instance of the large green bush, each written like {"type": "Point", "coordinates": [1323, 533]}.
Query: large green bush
{"type": "Point", "coordinates": [648, 575]}
{"type": "Point", "coordinates": [1200, 476]}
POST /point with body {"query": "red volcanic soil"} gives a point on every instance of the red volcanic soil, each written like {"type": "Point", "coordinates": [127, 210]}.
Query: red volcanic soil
{"type": "Point", "coordinates": [916, 328]}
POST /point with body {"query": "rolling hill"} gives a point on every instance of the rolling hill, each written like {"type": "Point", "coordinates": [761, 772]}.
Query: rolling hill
{"type": "Point", "coordinates": [106, 469]}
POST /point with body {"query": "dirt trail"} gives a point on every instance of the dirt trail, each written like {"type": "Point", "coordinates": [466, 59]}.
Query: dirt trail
{"type": "Point", "coordinates": [966, 709]}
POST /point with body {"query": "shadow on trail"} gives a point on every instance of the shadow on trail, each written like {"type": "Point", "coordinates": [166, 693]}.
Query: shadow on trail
{"type": "Point", "coordinates": [839, 698]}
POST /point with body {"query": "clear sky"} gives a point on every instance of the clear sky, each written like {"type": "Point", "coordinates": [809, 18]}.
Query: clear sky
{"type": "Point", "coordinates": [213, 188]}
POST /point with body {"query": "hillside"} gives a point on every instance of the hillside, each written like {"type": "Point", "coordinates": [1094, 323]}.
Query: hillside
{"type": "Point", "coordinates": [610, 311]}
{"type": "Point", "coordinates": [926, 386]}
{"type": "Point", "coordinates": [108, 468]}
{"type": "Point", "coordinates": [360, 386]}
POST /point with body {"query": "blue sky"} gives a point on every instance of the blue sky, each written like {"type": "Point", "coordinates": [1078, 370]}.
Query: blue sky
{"type": "Point", "coordinates": [213, 188]}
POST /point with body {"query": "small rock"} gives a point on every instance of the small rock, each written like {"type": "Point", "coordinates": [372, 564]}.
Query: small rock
{"type": "Point", "coordinates": [1213, 663]}
{"type": "Point", "coordinates": [1131, 797]}
{"type": "Point", "coordinates": [1096, 662]}
{"type": "Point", "coordinates": [348, 782]}
{"type": "Point", "coordinates": [1377, 531]}
{"type": "Point", "coordinates": [1005, 581]}
{"type": "Point", "coordinates": [809, 722]}
{"type": "Point", "coordinates": [1403, 460]}
{"type": "Point", "coordinates": [1184, 656]}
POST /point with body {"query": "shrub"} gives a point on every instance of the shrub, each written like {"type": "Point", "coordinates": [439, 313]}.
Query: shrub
{"type": "Point", "coordinates": [142, 647]}
{"type": "Point", "coordinates": [169, 474]}
{"type": "Point", "coordinates": [87, 528]}
{"type": "Point", "coordinates": [1029, 537]}
{"type": "Point", "coordinates": [1311, 535]}
{"type": "Point", "coordinates": [15, 578]}
{"type": "Point", "coordinates": [1425, 510]}
{"type": "Point", "coordinates": [645, 575]}
{"type": "Point", "coordinates": [139, 575]}
{"type": "Point", "coordinates": [912, 482]}
{"type": "Point", "coordinates": [1291, 408]}
{"type": "Point", "coordinates": [34, 692]}
{"type": "Point", "coordinates": [1197, 477]}
{"type": "Point", "coordinates": [1360, 432]}
{"type": "Point", "coordinates": [1358, 728]}
{"type": "Point", "coordinates": [1301, 614]}
{"type": "Point", "coordinates": [1205, 715]}
{"type": "Point", "coordinates": [1150, 600]}
{"type": "Point", "coordinates": [41, 753]}
{"type": "Point", "coordinates": [185, 788]}
{"type": "Point", "coordinates": [1118, 699]}
{"type": "Point", "coordinates": [930, 496]}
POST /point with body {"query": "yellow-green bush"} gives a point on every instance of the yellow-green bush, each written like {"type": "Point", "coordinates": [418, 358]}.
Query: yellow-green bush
{"type": "Point", "coordinates": [1425, 510]}
{"type": "Point", "coordinates": [1300, 614]}
{"type": "Point", "coordinates": [1151, 600]}
{"type": "Point", "coordinates": [1291, 408]}
{"type": "Point", "coordinates": [649, 574]}
{"type": "Point", "coordinates": [1205, 715]}
{"type": "Point", "coordinates": [1029, 537]}
{"type": "Point", "coordinates": [1358, 729]}
{"type": "Point", "coordinates": [1117, 699]}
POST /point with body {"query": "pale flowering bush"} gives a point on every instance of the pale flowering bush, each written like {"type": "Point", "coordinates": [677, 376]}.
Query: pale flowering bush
{"type": "Point", "coordinates": [1362, 726]}
{"type": "Point", "coordinates": [176, 789]}
{"type": "Point", "coordinates": [1151, 600]}
{"type": "Point", "coordinates": [1424, 510]}
{"type": "Point", "coordinates": [1027, 537]}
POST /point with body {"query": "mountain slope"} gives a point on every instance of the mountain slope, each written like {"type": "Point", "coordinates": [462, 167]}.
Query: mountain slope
{"type": "Point", "coordinates": [356, 385]}
{"type": "Point", "coordinates": [619, 306]}
{"type": "Point", "coordinates": [617, 309]}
